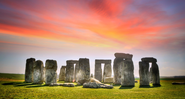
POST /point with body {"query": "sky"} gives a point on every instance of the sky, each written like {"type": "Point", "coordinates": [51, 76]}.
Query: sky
{"type": "Point", "coordinates": [95, 29]}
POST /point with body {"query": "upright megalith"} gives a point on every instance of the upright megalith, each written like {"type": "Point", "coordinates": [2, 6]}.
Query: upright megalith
{"type": "Point", "coordinates": [147, 75]}
{"type": "Point", "coordinates": [38, 72]}
{"type": "Point", "coordinates": [77, 68]}
{"type": "Point", "coordinates": [144, 73]}
{"type": "Point", "coordinates": [50, 72]}
{"type": "Point", "coordinates": [29, 70]}
{"type": "Point", "coordinates": [62, 73]}
{"type": "Point", "coordinates": [107, 72]}
{"type": "Point", "coordinates": [84, 71]}
{"type": "Point", "coordinates": [124, 70]}
{"type": "Point", "coordinates": [155, 74]}
{"type": "Point", "coordinates": [69, 71]}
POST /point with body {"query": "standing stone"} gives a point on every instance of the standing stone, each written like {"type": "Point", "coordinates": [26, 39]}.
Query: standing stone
{"type": "Point", "coordinates": [98, 71]}
{"type": "Point", "coordinates": [117, 70]}
{"type": "Point", "coordinates": [127, 74]}
{"type": "Point", "coordinates": [155, 74]}
{"type": "Point", "coordinates": [77, 68]}
{"type": "Point", "coordinates": [84, 71]}
{"type": "Point", "coordinates": [29, 70]}
{"type": "Point", "coordinates": [62, 73]}
{"type": "Point", "coordinates": [107, 70]}
{"type": "Point", "coordinates": [50, 72]}
{"type": "Point", "coordinates": [38, 72]}
{"type": "Point", "coordinates": [123, 69]}
{"type": "Point", "coordinates": [144, 73]}
{"type": "Point", "coordinates": [69, 71]}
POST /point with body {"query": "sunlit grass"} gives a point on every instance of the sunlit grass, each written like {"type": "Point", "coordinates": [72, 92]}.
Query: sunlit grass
{"type": "Point", "coordinates": [19, 89]}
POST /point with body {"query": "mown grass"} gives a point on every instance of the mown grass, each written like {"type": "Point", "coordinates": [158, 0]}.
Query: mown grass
{"type": "Point", "coordinates": [19, 89]}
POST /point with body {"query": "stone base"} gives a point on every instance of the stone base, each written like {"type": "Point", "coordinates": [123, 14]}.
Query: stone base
{"type": "Point", "coordinates": [156, 85]}
{"type": "Point", "coordinates": [144, 86]}
{"type": "Point", "coordinates": [127, 86]}
{"type": "Point", "coordinates": [108, 80]}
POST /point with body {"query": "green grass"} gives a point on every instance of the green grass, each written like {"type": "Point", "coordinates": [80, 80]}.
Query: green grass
{"type": "Point", "coordinates": [12, 76]}
{"type": "Point", "coordinates": [19, 89]}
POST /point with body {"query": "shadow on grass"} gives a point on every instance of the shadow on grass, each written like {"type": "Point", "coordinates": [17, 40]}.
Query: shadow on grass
{"type": "Point", "coordinates": [146, 87]}
{"type": "Point", "coordinates": [117, 85]}
{"type": "Point", "coordinates": [27, 85]}
{"type": "Point", "coordinates": [125, 87]}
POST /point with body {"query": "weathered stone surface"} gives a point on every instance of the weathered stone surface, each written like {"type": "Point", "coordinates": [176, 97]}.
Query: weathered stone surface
{"type": "Point", "coordinates": [50, 72]}
{"type": "Point", "coordinates": [62, 73]}
{"type": "Point", "coordinates": [144, 73]}
{"type": "Point", "coordinates": [98, 71]}
{"type": "Point", "coordinates": [127, 74]}
{"type": "Point", "coordinates": [123, 55]}
{"type": "Point", "coordinates": [64, 84]}
{"type": "Point", "coordinates": [38, 72]}
{"type": "Point", "coordinates": [84, 71]}
{"type": "Point", "coordinates": [29, 70]}
{"type": "Point", "coordinates": [69, 71]}
{"type": "Point", "coordinates": [77, 68]}
{"type": "Point", "coordinates": [149, 59]}
{"type": "Point", "coordinates": [91, 85]}
{"type": "Point", "coordinates": [108, 80]}
{"type": "Point", "coordinates": [107, 72]}
{"type": "Point", "coordinates": [117, 70]}
{"type": "Point", "coordinates": [94, 83]}
{"type": "Point", "coordinates": [91, 75]}
{"type": "Point", "coordinates": [94, 80]}
{"type": "Point", "coordinates": [155, 74]}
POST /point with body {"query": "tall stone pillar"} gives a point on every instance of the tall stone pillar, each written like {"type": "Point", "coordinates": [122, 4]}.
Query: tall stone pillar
{"type": "Point", "coordinates": [69, 71]}
{"type": "Point", "coordinates": [117, 70]}
{"type": "Point", "coordinates": [29, 70]}
{"type": "Point", "coordinates": [127, 74]}
{"type": "Point", "coordinates": [144, 73]}
{"type": "Point", "coordinates": [124, 70]}
{"type": "Point", "coordinates": [84, 71]}
{"type": "Point", "coordinates": [62, 73]}
{"type": "Point", "coordinates": [76, 70]}
{"type": "Point", "coordinates": [50, 72]}
{"type": "Point", "coordinates": [107, 70]}
{"type": "Point", "coordinates": [98, 71]}
{"type": "Point", "coordinates": [155, 74]}
{"type": "Point", "coordinates": [38, 72]}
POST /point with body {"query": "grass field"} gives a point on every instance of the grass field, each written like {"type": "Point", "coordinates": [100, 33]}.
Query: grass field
{"type": "Point", "coordinates": [13, 86]}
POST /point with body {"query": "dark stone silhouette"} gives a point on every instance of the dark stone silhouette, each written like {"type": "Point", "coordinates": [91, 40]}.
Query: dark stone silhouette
{"type": "Point", "coordinates": [29, 70]}
{"type": "Point", "coordinates": [145, 75]}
